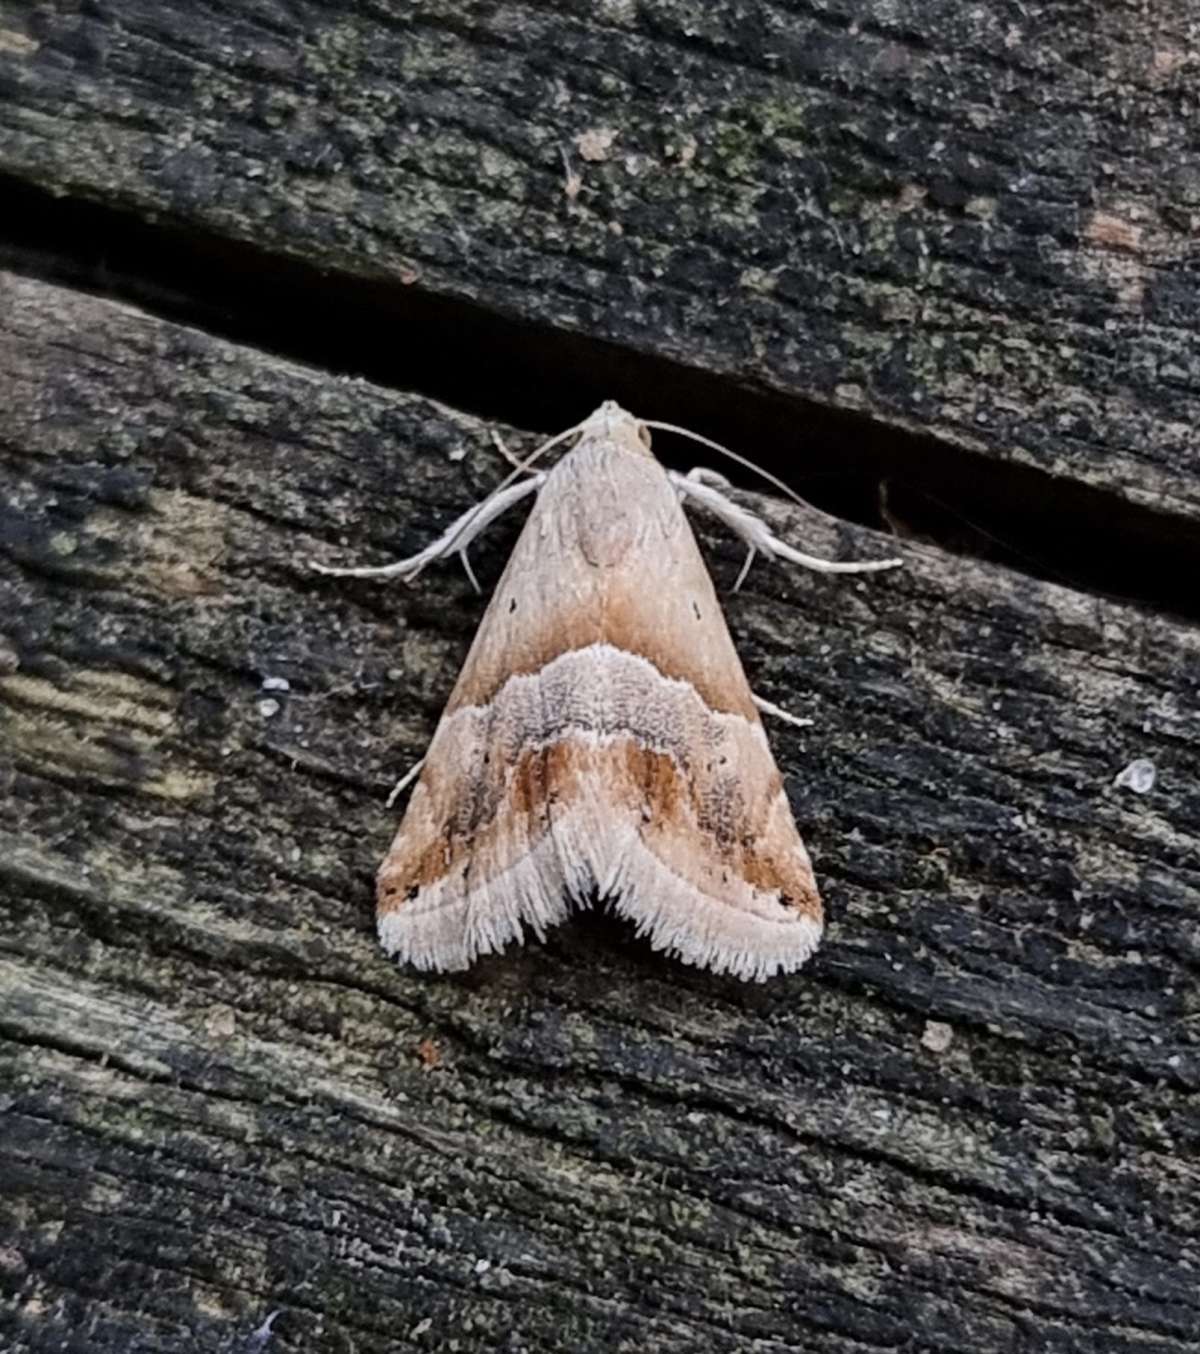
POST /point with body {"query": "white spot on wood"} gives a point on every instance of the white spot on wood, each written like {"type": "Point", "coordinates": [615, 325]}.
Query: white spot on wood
{"type": "Point", "coordinates": [17, 44]}
{"type": "Point", "coordinates": [937, 1036]}
{"type": "Point", "coordinates": [596, 143]}
{"type": "Point", "coordinates": [1139, 776]}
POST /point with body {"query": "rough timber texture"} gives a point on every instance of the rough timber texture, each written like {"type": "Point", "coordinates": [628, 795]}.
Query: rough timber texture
{"type": "Point", "coordinates": [973, 220]}
{"type": "Point", "coordinates": [220, 1101]}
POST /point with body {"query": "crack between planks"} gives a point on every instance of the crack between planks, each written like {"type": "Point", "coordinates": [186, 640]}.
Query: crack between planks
{"type": "Point", "coordinates": [534, 376]}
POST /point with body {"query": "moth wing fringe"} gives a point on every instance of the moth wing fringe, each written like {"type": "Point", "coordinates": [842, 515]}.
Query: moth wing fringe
{"type": "Point", "coordinates": [709, 932]}
{"type": "Point", "coordinates": [441, 931]}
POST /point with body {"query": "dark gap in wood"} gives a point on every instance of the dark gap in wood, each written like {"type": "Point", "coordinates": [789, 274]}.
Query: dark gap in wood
{"type": "Point", "coordinates": [501, 367]}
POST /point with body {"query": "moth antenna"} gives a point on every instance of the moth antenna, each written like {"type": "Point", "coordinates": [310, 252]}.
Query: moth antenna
{"type": "Point", "coordinates": [463, 525]}
{"type": "Point", "coordinates": [455, 539]}
{"type": "Point", "coordinates": [758, 536]}
{"type": "Point", "coordinates": [699, 485]}
{"type": "Point", "coordinates": [733, 456]}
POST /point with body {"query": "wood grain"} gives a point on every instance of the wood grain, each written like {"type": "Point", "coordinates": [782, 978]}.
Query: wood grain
{"type": "Point", "coordinates": [220, 1100]}
{"type": "Point", "coordinates": [975, 223]}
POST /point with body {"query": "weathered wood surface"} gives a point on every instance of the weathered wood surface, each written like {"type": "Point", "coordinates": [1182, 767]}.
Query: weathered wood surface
{"type": "Point", "coordinates": [975, 221]}
{"type": "Point", "coordinates": [220, 1100]}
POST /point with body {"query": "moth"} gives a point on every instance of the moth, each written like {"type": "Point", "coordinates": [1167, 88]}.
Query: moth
{"type": "Point", "coordinates": [602, 739]}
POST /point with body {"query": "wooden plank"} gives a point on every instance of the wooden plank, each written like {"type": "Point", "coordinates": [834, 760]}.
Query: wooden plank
{"type": "Point", "coordinates": [970, 222]}
{"type": "Point", "coordinates": [220, 1100]}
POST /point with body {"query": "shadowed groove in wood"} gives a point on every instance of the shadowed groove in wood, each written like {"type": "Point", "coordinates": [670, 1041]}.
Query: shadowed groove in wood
{"type": "Point", "coordinates": [516, 371]}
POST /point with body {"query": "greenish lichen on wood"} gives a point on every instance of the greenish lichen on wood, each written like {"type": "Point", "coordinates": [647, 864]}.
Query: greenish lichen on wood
{"type": "Point", "coordinates": [977, 222]}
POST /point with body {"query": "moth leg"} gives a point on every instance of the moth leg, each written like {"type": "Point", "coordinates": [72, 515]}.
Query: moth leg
{"type": "Point", "coordinates": [453, 541]}
{"type": "Point", "coordinates": [777, 712]}
{"type": "Point", "coordinates": [405, 781]}
{"type": "Point", "coordinates": [517, 462]}
{"type": "Point", "coordinates": [700, 487]}
{"type": "Point", "coordinates": [703, 474]}
{"type": "Point", "coordinates": [470, 573]}
{"type": "Point", "coordinates": [745, 569]}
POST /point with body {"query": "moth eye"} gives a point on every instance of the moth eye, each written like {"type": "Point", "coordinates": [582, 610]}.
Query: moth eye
{"type": "Point", "coordinates": [644, 433]}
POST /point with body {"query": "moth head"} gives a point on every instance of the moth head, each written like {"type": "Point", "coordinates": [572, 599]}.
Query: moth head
{"type": "Point", "coordinates": [620, 426]}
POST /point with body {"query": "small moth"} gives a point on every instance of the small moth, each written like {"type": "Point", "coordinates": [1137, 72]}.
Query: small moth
{"type": "Point", "coordinates": [602, 738]}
